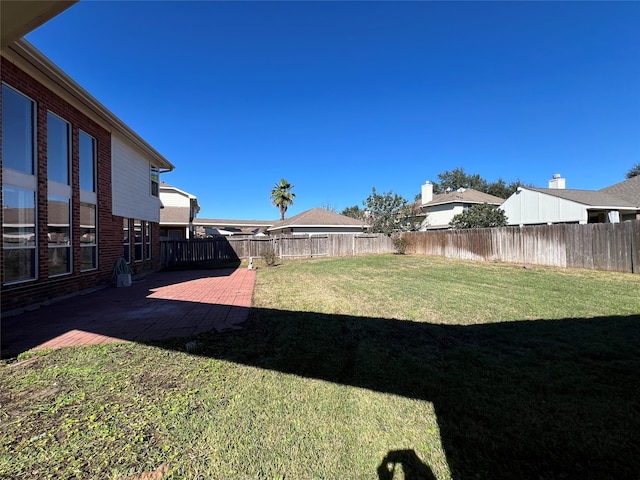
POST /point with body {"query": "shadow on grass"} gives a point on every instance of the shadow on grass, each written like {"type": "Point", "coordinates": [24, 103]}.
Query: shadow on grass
{"type": "Point", "coordinates": [546, 399]}
{"type": "Point", "coordinates": [412, 466]}
{"type": "Point", "coordinates": [542, 399]}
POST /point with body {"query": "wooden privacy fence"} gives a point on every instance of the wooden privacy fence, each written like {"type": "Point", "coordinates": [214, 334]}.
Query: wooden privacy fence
{"type": "Point", "coordinates": [597, 246]}
{"type": "Point", "coordinates": [221, 249]}
{"type": "Point", "coordinates": [193, 251]}
{"type": "Point", "coordinates": [331, 245]}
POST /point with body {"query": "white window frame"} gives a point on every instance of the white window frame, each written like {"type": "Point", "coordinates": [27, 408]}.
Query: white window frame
{"type": "Point", "coordinates": [126, 242]}
{"type": "Point", "coordinates": [138, 241]}
{"type": "Point", "coordinates": [69, 245]}
{"type": "Point", "coordinates": [147, 239]}
{"type": "Point", "coordinates": [26, 181]}
{"type": "Point", "coordinates": [93, 245]}
{"type": "Point", "coordinates": [69, 149]}
{"type": "Point", "coordinates": [154, 180]}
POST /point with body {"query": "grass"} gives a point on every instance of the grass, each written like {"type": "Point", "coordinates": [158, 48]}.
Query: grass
{"type": "Point", "coordinates": [373, 367]}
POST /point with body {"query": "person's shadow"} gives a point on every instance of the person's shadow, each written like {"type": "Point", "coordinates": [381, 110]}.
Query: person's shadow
{"type": "Point", "coordinates": [412, 467]}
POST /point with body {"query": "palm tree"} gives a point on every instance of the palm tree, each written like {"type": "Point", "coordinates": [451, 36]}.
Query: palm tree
{"type": "Point", "coordinates": [282, 197]}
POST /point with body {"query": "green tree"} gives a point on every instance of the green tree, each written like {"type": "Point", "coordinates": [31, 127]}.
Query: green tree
{"type": "Point", "coordinates": [353, 212]}
{"type": "Point", "coordinates": [388, 213]}
{"type": "Point", "coordinates": [458, 178]}
{"type": "Point", "coordinates": [481, 215]}
{"type": "Point", "coordinates": [502, 189]}
{"type": "Point", "coordinates": [282, 197]}
{"type": "Point", "coordinates": [635, 171]}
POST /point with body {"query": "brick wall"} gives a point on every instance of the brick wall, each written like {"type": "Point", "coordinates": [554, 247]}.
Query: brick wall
{"type": "Point", "coordinates": [109, 227]}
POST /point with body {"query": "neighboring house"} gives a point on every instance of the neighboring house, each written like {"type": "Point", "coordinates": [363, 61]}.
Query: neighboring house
{"type": "Point", "coordinates": [179, 209]}
{"type": "Point", "coordinates": [217, 226]}
{"type": "Point", "coordinates": [557, 204]}
{"type": "Point", "coordinates": [628, 190]}
{"type": "Point", "coordinates": [317, 221]}
{"type": "Point", "coordinates": [80, 189]}
{"type": "Point", "coordinates": [440, 209]}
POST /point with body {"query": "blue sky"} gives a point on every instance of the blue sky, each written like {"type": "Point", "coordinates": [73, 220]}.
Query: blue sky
{"type": "Point", "coordinates": [340, 97]}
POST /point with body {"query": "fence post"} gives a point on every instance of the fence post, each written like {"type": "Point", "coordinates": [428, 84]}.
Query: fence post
{"type": "Point", "coordinates": [635, 246]}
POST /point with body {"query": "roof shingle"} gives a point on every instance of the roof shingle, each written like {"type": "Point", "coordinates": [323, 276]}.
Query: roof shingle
{"type": "Point", "coordinates": [628, 190]}
{"type": "Point", "coordinates": [590, 198]}
{"type": "Point", "coordinates": [319, 217]}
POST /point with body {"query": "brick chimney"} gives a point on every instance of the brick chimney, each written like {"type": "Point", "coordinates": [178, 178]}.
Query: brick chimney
{"type": "Point", "coordinates": [557, 182]}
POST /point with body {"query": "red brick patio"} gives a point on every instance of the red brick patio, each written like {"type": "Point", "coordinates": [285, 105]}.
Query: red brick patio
{"type": "Point", "coordinates": [160, 305]}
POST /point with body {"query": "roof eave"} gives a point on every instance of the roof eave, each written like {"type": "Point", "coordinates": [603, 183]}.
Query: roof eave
{"type": "Point", "coordinates": [24, 55]}
{"type": "Point", "coordinates": [459, 201]}
{"type": "Point", "coordinates": [280, 227]}
{"type": "Point", "coordinates": [20, 17]}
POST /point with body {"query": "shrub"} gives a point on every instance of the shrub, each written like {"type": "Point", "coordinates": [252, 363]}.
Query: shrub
{"type": "Point", "coordinates": [270, 256]}
{"type": "Point", "coordinates": [480, 216]}
{"type": "Point", "coordinates": [400, 243]}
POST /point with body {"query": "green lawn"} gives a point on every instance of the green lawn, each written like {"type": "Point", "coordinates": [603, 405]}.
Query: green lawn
{"type": "Point", "coordinates": [374, 367]}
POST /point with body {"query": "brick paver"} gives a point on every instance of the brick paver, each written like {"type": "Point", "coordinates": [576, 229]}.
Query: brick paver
{"type": "Point", "coordinates": [160, 305]}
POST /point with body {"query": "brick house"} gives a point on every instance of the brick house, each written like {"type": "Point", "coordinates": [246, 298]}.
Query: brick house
{"type": "Point", "coordinates": [80, 189]}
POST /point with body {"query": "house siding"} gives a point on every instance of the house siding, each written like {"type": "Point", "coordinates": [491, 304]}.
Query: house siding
{"type": "Point", "coordinates": [131, 183]}
{"type": "Point", "coordinates": [439, 216]}
{"type": "Point", "coordinates": [171, 198]}
{"type": "Point", "coordinates": [530, 208]}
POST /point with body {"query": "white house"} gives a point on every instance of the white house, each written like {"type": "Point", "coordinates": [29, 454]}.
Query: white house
{"type": "Point", "coordinates": [440, 209]}
{"type": "Point", "coordinates": [557, 204]}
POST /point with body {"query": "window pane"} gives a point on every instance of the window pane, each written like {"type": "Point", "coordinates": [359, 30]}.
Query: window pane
{"type": "Point", "coordinates": [17, 131]}
{"type": "Point", "coordinates": [59, 260]}
{"type": "Point", "coordinates": [155, 181]}
{"type": "Point", "coordinates": [126, 242]}
{"type": "Point", "coordinates": [88, 257]}
{"type": "Point", "coordinates": [19, 264]}
{"type": "Point", "coordinates": [59, 230]}
{"type": "Point", "coordinates": [57, 149]}
{"type": "Point", "coordinates": [87, 223]}
{"type": "Point", "coordinates": [59, 235]}
{"type": "Point", "coordinates": [18, 224]}
{"type": "Point", "coordinates": [87, 163]}
{"type": "Point", "coordinates": [137, 232]}
{"type": "Point", "coordinates": [125, 230]}
{"type": "Point", "coordinates": [147, 238]}
{"type": "Point", "coordinates": [88, 246]}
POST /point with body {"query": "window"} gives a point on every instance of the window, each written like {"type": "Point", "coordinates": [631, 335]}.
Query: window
{"type": "Point", "coordinates": [155, 181]}
{"type": "Point", "coordinates": [18, 132]}
{"type": "Point", "coordinates": [58, 141]}
{"type": "Point", "coordinates": [87, 162]}
{"type": "Point", "coordinates": [19, 186]}
{"type": "Point", "coordinates": [127, 241]}
{"type": "Point", "coordinates": [19, 233]}
{"type": "Point", "coordinates": [59, 235]}
{"type": "Point", "coordinates": [137, 240]}
{"type": "Point", "coordinates": [88, 241]}
{"type": "Point", "coordinates": [88, 201]}
{"type": "Point", "coordinates": [147, 239]}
